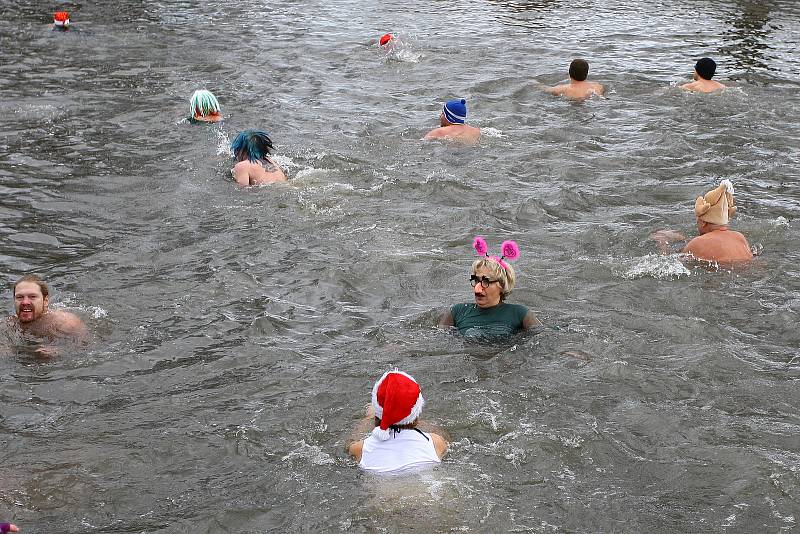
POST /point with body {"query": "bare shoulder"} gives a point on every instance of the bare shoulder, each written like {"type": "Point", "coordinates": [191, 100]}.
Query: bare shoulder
{"type": "Point", "coordinates": [355, 449]}
{"type": "Point", "coordinates": [440, 444]}
{"type": "Point", "coordinates": [436, 133]}
{"type": "Point", "coordinates": [557, 90]}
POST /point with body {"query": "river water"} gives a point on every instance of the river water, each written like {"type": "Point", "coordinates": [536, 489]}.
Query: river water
{"type": "Point", "coordinates": [237, 332]}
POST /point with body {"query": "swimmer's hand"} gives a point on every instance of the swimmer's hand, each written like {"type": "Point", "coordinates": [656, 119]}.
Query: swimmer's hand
{"type": "Point", "coordinates": [667, 236]}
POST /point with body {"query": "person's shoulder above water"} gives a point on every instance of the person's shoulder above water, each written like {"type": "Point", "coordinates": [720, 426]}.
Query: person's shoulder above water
{"type": "Point", "coordinates": [452, 120]}
{"type": "Point", "coordinates": [716, 242]}
{"type": "Point", "coordinates": [492, 280]}
{"type": "Point", "coordinates": [704, 70]}
{"type": "Point", "coordinates": [252, 149]}
{"type": "Point", "coordinates": [577, 88]}
{"type": "Point", "coordinates": [395, 441]}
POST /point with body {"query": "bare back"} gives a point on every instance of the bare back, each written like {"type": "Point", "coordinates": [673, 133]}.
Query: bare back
{"type": "Point", "coordinates": [258, 173]}
{"type": "Point", "coordinates": [577, 90]}
{"type": "Point", "coordinates": [725, 246]}
{"type": "Point", "coordinates": [461, 133]}
{"type": "Point", "coordinates": [703, 86]}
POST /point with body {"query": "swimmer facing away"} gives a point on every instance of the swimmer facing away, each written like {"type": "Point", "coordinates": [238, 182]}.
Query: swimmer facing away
{"type": "Point", "coordinates": [452, 121]}
{"type": "Point", "coordinates": [704, 70]}
{"type": "Point", "coordinates": [492, 281]}
{"type": "Point", "coordinates": [395, 442]}
{"type": "Point", "coordinates": [61, 21]}
{"type": "Point", "coordinates": [204, 107]}
{"type": "Point", "coordinates": [577, 88]}
{"type": "Point", "coordinates": [252, 149]}
{"type": "Point", "coordinates": [716, 241]}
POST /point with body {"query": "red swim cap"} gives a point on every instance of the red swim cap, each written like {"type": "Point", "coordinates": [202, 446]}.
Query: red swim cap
{"type": "Point", "coordinates": [386, 38]}
{"type": "Point", "coordinates": [61, 18]}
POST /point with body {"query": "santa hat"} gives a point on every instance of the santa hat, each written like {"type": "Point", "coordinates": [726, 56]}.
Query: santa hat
{"type": "Point", "coordinates": [716, 207]}
{"type": "Point", "coordinates": [61, 18]}
{"type": "Point", "coordinates": [396, 400]}
{"type": "Point", "coordinates": [386, 39]}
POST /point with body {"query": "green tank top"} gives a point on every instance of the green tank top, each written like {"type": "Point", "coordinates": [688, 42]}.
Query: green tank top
{"type": "Point", "coordinates": [497, 321]}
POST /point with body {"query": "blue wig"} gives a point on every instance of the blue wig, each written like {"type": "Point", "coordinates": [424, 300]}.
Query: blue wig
{"type": "Point", "coordinates": [253, 145]}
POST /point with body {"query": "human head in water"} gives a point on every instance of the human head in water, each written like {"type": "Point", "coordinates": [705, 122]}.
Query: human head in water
{"type": "Point", "coordinates": [453, 112]}
{"type": "Point", "coordinates": [251, 145]}
{"type": "Point", "coordinates": [579, 70]}
{"type": "Point", "coordinates": [503, 277]}
{"type": "Point", "coordinates": [705, 68]}
{"type": "Point", "coordinates": [61, 20]}
{"type": "Point", "coordinates": [204, 105]}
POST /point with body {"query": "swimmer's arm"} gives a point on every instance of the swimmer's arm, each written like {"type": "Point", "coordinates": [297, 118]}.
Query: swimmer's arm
{"type": "Point", "coordinates": [664, 237]}
{"type": "Point", "coordinates": [531, 321]}
{"type": "Point", "coordinates": [558, 90]}
{"type": "Point", "coordinates": [440, 444]}
{"type": "Point", "coordinates": [447, 319]}
{"type": "Point", "coordinates": [364, 426]}
{"type": "Point", "coordinates": [241, 175]}
{"type": "Point", "coordinates": [600, 90]}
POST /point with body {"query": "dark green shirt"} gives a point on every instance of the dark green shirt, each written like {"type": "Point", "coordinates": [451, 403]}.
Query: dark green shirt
{"type": "Point", "coordinates": [497, 321]}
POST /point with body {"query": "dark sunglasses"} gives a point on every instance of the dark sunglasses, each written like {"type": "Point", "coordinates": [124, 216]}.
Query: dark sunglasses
{"type": "Point", "coordinates": [484, 281]}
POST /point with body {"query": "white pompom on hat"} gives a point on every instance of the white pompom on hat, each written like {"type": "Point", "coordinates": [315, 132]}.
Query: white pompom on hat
{"type": "Point", "coordinates": [396, 400]}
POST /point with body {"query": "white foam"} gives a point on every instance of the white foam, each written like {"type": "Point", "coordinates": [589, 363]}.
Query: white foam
{"type": "Point", "coordinates": [658, 266]}
{"type": "Point", "coordinates": [492, 132]}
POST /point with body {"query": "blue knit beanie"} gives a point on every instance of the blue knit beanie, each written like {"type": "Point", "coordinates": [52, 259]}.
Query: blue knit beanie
{"type": "Point", "coordinates": [455, 111]}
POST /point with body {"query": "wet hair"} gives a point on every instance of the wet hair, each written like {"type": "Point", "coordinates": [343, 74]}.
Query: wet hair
{"type": "Point", "coordinates": [705, 68]}
{"type": "Point", "coordinates": [36, 280]}
{"type": "Point", "coordinates": [506, 277]}
{"type": "Point", "coordinates": [408, 426]}
{"type": "Point", "coordinates": [203, 103]}
{"type": "Point", "coordinates": [578, 69]}
{"type": "Point", "coordinates": [252, 145]}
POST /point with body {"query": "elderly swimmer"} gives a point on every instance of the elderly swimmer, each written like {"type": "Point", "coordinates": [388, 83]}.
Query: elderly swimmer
{"type": "Point", "coordinates": [252, 149]}
{"type": "Point", "coordinates": [396, 443]}
{"type": "Point", "coordinates": [716, 241]}
{"type": "Point", "coordinates": [452, 121]}
{"type": "Point", "coordinates": [492, 281]}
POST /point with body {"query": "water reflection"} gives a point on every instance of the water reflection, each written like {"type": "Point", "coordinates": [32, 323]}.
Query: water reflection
{"type": "Point", "coordinates": [524, 13]}
{"type": "Point", "coordinates": [748, 34]}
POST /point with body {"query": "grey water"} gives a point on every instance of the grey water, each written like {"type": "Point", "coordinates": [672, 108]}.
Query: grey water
{"type": "Point", "coordinates": [237, 332]}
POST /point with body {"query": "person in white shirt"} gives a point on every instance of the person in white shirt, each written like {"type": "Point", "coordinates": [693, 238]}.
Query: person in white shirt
{"type": "Point", "coordinates": [396, 444]}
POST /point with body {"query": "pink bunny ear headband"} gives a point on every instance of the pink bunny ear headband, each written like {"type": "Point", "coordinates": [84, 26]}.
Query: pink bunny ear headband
{"type": "Point", "coordinates": [509, 250]}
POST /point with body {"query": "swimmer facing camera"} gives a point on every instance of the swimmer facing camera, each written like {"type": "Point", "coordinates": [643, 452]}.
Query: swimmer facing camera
{"type": "Point", "coordinates": [492, 280]}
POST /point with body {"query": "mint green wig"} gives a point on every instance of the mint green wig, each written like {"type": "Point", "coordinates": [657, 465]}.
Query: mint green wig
{"type": "Point", "coordinates": [203, 103]}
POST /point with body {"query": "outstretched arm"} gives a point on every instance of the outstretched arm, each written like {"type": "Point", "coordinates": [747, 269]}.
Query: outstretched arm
{"type": "Point", "coordinates": [356, 439]}
{"type": "Point", "coordinates": [664, 237]}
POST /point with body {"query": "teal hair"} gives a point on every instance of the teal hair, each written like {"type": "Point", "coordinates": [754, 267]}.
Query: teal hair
{"type": "Point", "coordinates": [253, 145]}
{"type": "Point", "coordinates": [203, 103]}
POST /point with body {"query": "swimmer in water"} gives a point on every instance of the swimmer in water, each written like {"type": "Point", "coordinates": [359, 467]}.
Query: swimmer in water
{"type": "Point", "coordinates": [704, 70]}
{"type": "Point", "coordinates": [8, 527]}
{"type": "Point", "coordinates": [395, 442]}
{"type": "Point", "coordinates": [35, 318]}
{"type": "Point", "coordinates": [61, 21]}
{"type": "Point", "coordinates": [254, 167]}
{"type": "Point", "coordinates": [452, 124]}
{"type": "Point", "coordinates": [716, 243]}
{"type": "Point", "coordinates": [577, 88]}
{"type": "Point", "coordinates": [492, 281]}
{"type": "Point", "coordinates": [204, 106]}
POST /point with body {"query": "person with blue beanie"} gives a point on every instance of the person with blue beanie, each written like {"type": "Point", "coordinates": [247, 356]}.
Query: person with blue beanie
{"type": "Point", "coordinates": [452, 120]}
{"type": "Point", "coordinates": [704, 70]}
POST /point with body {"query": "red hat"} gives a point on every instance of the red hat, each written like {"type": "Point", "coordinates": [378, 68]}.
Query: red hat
{"type": "Point", "coordinates": [397, 400]}
{"type": "Point", "coordinates": [385, 38]}
{"type": "Point", "coordinates": [61, 18]}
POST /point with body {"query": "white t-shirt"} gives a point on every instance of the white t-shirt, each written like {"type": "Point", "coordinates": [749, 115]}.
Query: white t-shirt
{"type": "Point", "coordinates": [405, 450]}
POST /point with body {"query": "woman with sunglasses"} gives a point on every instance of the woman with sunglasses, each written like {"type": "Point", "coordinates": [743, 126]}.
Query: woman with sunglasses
{"type": "Point", "coordinates": [492, 281]}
